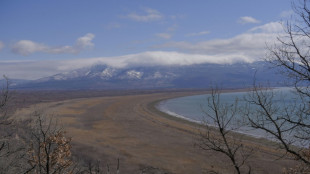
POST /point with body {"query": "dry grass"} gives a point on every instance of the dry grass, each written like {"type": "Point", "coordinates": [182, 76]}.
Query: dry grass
{"type": "Point", "coordinates": [128, 127]}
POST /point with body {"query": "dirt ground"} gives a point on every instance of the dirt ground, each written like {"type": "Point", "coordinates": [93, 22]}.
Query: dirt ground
{"type": "Point", "coordinates": [128, 127]}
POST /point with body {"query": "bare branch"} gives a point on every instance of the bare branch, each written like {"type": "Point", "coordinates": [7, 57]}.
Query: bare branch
{"type": "Point", "coordinates": [218, 138]}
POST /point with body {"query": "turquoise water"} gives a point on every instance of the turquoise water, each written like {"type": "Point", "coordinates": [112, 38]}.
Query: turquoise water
{"type": "Point", "coordinates": [192, 107]}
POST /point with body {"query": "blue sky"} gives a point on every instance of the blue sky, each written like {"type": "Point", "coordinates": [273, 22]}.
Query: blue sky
{"type": "Point", "coordinates": [40, 38]}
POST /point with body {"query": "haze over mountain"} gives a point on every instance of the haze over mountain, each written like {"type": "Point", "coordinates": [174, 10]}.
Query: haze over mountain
{"type": "Point", "coordinates": [155, 77]}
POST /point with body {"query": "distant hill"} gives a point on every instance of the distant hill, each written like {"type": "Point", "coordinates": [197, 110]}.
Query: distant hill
{"type": "Point", "coordinates": [236, 75]}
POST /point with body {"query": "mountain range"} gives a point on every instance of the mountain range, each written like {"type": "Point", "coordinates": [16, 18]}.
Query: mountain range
{"type": "Point", "coordinates": [237, 75]}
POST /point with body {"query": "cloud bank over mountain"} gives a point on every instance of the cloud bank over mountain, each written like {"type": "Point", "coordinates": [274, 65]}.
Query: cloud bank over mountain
{"type": "Point", "coordinates": [39, 69]}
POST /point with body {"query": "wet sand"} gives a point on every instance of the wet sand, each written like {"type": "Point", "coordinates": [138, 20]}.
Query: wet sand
{"type": "Point", "coordinates": [131, 129]}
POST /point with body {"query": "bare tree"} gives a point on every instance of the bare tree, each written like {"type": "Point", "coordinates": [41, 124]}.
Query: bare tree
{"type": "Point", "coordinates": [4, 102]}
{"type": "Point", "coordinates": [96, 167]}
{"type": "Point", "coordinates": [11, 151]}
{"type": "Point", "coordinates": [288, 124]}
{"type": "Point", "coordinates": [284, 123]}
{"type": "Point", "coordinates": [216, 135]}
{"type": "Point", "coordinates": [37, 145]}
{"type": "Point", "coordinates": [301, 168]}
{"type": "Point", "coordinates": [4, 98]}
{"type": "Point", "coordinates": [49, 151]}
{"type": "Point", "coordinates": [292, 52]}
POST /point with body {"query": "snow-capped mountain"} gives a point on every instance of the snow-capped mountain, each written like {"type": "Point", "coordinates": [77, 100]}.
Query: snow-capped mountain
{"type": "Point", "coordinates": [193, 76]}
{"type": "Point", "coordinates": [106, 73]}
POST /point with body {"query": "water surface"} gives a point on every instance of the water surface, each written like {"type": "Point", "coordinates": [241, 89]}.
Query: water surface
{"type": "Point", "coordinates": [193, 108]}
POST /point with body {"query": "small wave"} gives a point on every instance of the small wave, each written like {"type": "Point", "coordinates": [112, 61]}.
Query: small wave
{"type": "Point", "coordinates": [181, 116]}
{"type": "Point", "coordinates": [161, 107]}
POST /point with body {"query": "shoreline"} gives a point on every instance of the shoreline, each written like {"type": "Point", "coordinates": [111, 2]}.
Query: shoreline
{"type": "Point", "coordinates": [154, 106]}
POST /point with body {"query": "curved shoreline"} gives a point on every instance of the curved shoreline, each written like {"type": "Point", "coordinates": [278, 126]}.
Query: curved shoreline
{"type": "Point", "coordinates": [154, 106]}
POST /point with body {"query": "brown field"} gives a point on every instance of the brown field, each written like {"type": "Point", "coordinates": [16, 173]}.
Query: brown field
{"type": "Point", "coordinates": [128, 127]}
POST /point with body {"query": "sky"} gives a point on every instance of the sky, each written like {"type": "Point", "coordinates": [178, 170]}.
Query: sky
{"type": "Point", "coordinates": [41, 38]}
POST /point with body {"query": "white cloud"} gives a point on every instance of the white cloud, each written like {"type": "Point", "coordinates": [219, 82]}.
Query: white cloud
{"type": "Point", "coordinates": [27, 69]}
{"type": "Point", "coordinates": [248, 19]}
{"type": "Point", "coordinates": [85, 41]}
{"type": "Point", "coordinates": [199, 33]}
{"type": "Point", "coordinates": [150, 15]}
{"type": "Point", "coordinates": [164, 35]}
{"type": "Point", "coordinates": [272, 27]}
{"type": "Point", "coordinates": [1, 45]}
{"type": "Point", "coordinates": [26, 47]}
{"type": "Point", "coordinates": [251, 44]}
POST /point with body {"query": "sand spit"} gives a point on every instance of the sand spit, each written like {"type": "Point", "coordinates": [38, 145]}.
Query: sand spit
{"type": "Point", "coordinates": [130, 128]}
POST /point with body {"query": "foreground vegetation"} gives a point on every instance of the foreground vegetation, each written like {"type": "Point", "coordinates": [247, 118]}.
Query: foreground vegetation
{"type": "Point", "coordinates": [288, 125]}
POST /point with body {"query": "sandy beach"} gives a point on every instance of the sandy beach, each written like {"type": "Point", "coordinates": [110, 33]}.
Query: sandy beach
{"type": "Point", "coordinates": [130, 128]}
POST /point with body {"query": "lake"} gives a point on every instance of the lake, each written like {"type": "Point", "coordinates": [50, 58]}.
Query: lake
{"type": "Point", "coordinates": [192, 107]}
